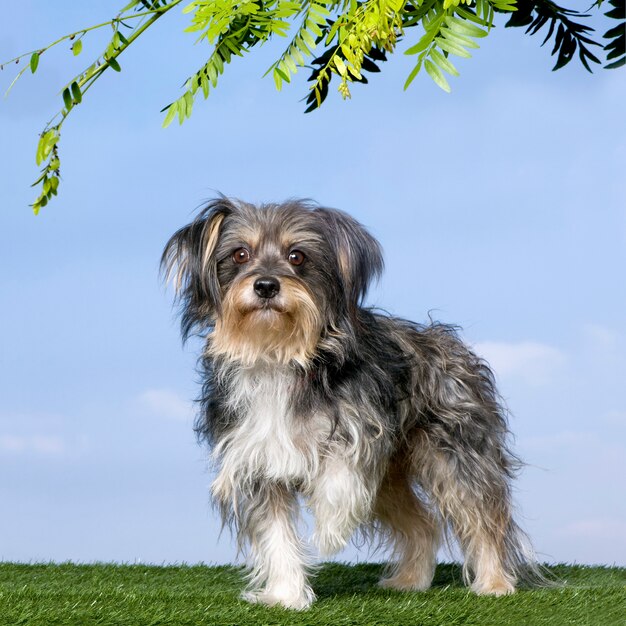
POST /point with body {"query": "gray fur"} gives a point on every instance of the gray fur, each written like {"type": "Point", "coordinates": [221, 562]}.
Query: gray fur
{"type": "Point", "coordinates": [380, 422]}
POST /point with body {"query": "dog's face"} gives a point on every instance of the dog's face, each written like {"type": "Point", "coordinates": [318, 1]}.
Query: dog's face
{"type": "Point", "coordinates": [270, 281]}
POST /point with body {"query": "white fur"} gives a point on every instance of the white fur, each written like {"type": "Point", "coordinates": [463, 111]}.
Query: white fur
{"type": "Point", "coordinates": [271, 444]}
{"type": "Point", "coordinates": [340, 501]}
{"type": "Point", "coordinates": [267, 443]}
{"type": "Point", "coordinates": [279, 560]}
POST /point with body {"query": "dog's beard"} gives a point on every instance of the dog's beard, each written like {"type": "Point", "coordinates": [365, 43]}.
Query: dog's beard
{"type": "Point", "coordinates": [280, 330]}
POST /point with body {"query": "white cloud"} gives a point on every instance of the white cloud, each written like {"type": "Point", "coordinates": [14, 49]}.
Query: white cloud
{"type": "Point", "coordinates": [166, 403]}
{"type": "Point", "coordinates": [533, 362]}
{"type": "Point", "coordinates": [11, 443]}
{"type": "Point", "coordinates": [40, 444]}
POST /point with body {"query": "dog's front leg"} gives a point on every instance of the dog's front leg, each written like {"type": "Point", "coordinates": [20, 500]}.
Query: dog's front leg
{"type": "Point", "coordinates": [341, 499]}
{"type": "Point", "coordinates": [278, 560]}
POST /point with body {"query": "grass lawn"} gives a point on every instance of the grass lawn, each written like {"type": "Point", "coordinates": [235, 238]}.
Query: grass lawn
{"type": "Point", "coordinates": [137, 595]}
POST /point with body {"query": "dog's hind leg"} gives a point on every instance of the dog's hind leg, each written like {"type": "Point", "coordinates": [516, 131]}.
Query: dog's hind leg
{"type": "Point", "coordinates": [413, 533]}
{"type": "Point", "coordinates": [473, 498]}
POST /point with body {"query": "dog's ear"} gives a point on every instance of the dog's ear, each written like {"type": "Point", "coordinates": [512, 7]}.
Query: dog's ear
{"type": "Point", "coordinates": [189, 261]}
{"type": "Point", "coordinates": [359, 256]}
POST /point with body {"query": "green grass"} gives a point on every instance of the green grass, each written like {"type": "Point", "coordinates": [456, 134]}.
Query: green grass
{"type": "Point", "coordinates": [137, 595]}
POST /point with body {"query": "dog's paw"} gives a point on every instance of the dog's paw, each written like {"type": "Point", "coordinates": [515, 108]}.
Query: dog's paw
{"type": "Point", "coordinates": [405, 582]}
{"type": "Point", "coordinates": [288, 599]}
{"type": "Point", "coordinates": [493, 588]}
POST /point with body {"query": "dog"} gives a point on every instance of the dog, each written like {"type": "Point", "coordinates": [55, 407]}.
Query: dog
{"type": "Point", "coordinates": [373, 421]}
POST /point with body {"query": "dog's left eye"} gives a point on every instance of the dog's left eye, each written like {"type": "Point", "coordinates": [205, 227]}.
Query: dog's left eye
{"type": "Point", "coordinates": [296, 257]}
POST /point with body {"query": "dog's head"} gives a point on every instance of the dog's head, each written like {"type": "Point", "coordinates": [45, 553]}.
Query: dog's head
{"type": "Point", "coordinates": [271, 282]}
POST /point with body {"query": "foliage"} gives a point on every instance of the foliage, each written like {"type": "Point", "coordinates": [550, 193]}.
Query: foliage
{"type": "Point", "coordinates": [570, 34]}
{"type": "Point", "coordinates": [137, 595]}
{"type": "Point", "coordinates": [616, 48]}
{"type": "Point", "coordinates": [349, 37]}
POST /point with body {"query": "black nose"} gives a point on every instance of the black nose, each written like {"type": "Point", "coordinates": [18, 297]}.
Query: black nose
{"type": "Point", "coordinates": [266, 287]}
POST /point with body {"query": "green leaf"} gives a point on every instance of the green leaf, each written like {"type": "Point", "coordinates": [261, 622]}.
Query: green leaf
{"type": "Point", "coordinates": [480, 9]}
{"type": "Point", "coordinates": [40, 148]}
{"type": "Point", "coordinates": [448, 46]}
{"type": "Point", "coordinates": [332, 32]}
{"type": "Point", "coordinates": [319, 9]}
{"type": "Point", "coordinates": [340, 65]}
{"type": "Point", "coordinates": [230, 44]}
{"type": "Point", "coordinates": [212, 74]}
{"type": "Point", "coordinates": [278, 79]}
{"type": "Point", "coordinates": [77, 47]}
{"type": "Point", "coordinates": [422, 44]}
{"type": "Point", "coordinates": [182, 109]}
{"type": "Point", "coordinates": [34, 62]}
{"type": "Point", "coordinates": [188, 103]}
{"type": "Point", "coordinates": [67, 99]}
{"type": "Point", "coordinates": [308, 38]}
{"type": "Point", "coordinates": [45, 173]}
{"type": "Point", "coordinates": [282, 74]}
{"type": "Point", "coordinates": [464, 27]}
{"type": "Point", "coordinates": [471, 17]}
{"type": "Point", "coordinates": [443, 63]}
{"type": "Point", "coordinates": [298, 50]}
{"type": "Point", "coordinates": [76, 93]}
{"type": "Point", "coordinates": [459, 40]}
{"type": "Point", "coordinates": [314, 28]}
{"type": "Point", "coordinates": [171, 113]}
{"type": "Point", "coordinates": [114, 64]}
{"type": "Point", "coordinates": [46, 143]}
{"type": "Point", "coordinates": [219, 63]}
{"type": "Point", "coordinates": [355, 72]}
{"type": "Point", "coordinates": [413, 74]}
{"type": "Point", "coordinates": [435, 73]}
{"type": "Point", "coordinates": [504, 5]}
{"type": "Point", "coordinates": [290, 64]}
{"type": "Point", "coordinates": [204, 83]}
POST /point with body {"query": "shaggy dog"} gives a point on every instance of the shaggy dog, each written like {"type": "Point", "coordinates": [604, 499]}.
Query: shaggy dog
{"type": "Point", "coordinates": [375, 422]}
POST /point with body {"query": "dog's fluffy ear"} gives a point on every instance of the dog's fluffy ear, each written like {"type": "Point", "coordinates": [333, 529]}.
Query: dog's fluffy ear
{"type": "Point", "coordinates": [359, 255]}
{"type": "Point", "coordinates": [189, 261]}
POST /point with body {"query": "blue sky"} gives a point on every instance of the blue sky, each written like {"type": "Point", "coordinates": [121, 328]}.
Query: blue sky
{"type": "Point", "coordinates": [500, 207]}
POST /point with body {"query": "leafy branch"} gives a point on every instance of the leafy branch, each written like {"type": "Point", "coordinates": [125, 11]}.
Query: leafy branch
{"type": "Point", "coordinates": [616, 48]}
{"type": "Point", "coordinates": [234, 27]}
{"type": "Point", "coordinates": [303, 43]}
{"type": "Point", "coordinates": [351, 38]}
{"type": "Point", "coordinates": [569, 35]}
{"type": "Point", "coordinates": [72, 93]}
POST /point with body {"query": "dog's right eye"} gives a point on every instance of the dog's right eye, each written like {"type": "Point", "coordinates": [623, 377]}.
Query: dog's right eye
{"type": "Point", "coordinates": [241, 255]}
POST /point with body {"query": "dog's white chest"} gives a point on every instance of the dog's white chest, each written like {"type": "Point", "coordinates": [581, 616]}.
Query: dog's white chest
{"type": "Point", "coordinates": [268, 442]}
